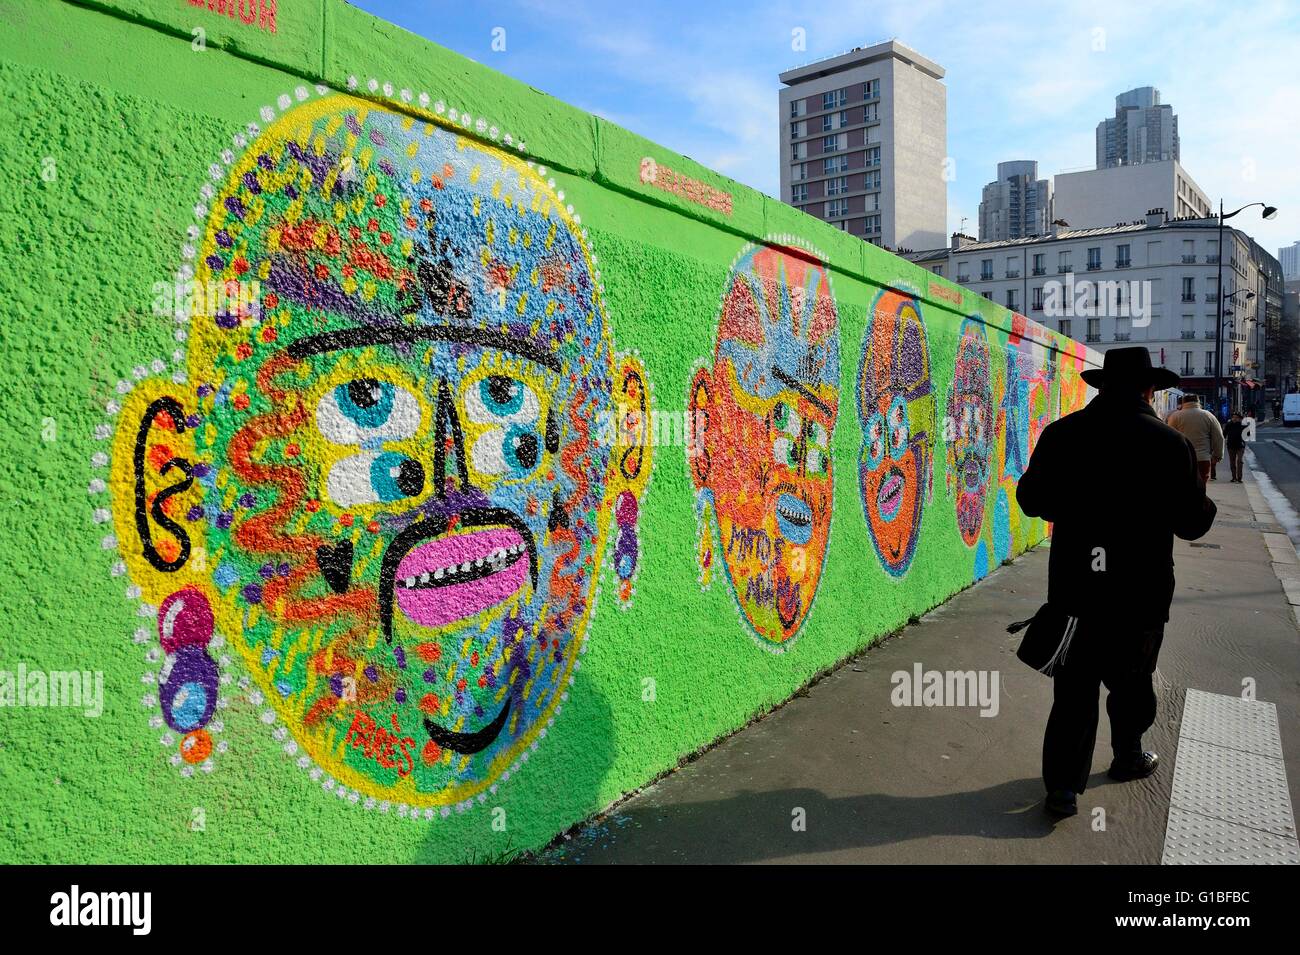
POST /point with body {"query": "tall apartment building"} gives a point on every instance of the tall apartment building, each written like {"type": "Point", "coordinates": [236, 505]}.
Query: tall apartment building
{"type": "Point", "coordinates": [1098, 198]}
{"type": "Point", "coordinates": [1152, 282]}
{"type": "Point", "coordinates": [1017, 204]}
{"type": "Point", "coordinates": [1143, 130]}
{"type": "Point", "coordinates": [1289, 256]}
{"type": "Point", "coordinates": [864, 140]}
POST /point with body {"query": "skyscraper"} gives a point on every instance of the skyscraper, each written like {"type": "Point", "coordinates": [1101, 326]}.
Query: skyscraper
{"type": "Point", "coordinates": [1289, 256]}
{"type": "Point", "coordinates": [1143, 130]}
{"type": "Point", "coordinates": [863, 144]}
{"type": "Point", "coordinates": [1017, 204]}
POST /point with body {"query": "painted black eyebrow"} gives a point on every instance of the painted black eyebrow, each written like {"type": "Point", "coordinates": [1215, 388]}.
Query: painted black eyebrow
{"type": "Point", "coordinates": [390, 334]}
{"type": "Point", "coordinates": [789, 382]}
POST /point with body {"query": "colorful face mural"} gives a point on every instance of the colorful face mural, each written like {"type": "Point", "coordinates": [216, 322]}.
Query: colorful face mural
{"type": "Point", "coordinates": [1028, 402]}
{"type": "Point", "coordinates": [762, 417]}
{"type": "Point", "coordinates": [385, 479]}
{"type": "Point", "coordinates": [897, 414]}
{"type": "Point", "coordinates": [970, 429]}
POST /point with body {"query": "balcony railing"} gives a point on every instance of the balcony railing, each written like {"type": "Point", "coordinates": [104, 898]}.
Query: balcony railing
{"type": "Point", "coordinates": [1210, 296]}
{"type": "Point", "coordinates": [1094, 266]}
{"type": "Point", "coordinates": [963, 279]}
{"type": "Point", "coordinates": [1123, 336]}
{"type": "Point", "coordinates": [986, 276]}
{"type": "Point", "coordinates": [1062, 269]}
{"type": "Point", "coordinates": [1187, 371]}
{"type": "Point", "coordinates": [1039, 270]}
{"type": "Point", "coordinates": [1013, 274]}
{"type": "Point", "coordinates": [1188, 333]}
{"type": "Point", "coordinates": [1093, 337]}
{"type": "Point", "coordinates": [1123, 263]}
{"type": "Point", "coordinates": [1211, 260]}
{"type": "Point", "coordinates": [1209, 333]}
{"type": "Point", "coordinates": [1189, 296]}
{"type": "Point", "coordinates": [1036, 307]}
{"type": "Point", "coordinates": [1189, 260]}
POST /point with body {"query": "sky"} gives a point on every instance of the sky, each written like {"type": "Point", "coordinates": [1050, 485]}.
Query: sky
{"type": "Point", "coordinates": [1024, 80]}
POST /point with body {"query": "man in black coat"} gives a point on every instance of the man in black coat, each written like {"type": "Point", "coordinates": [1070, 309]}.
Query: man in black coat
{"type": "Point", "coordinates": [1117, 484]}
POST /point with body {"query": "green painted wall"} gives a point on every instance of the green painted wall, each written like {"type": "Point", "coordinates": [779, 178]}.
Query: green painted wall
{"type": "Point", "coordinates": [777, 340]}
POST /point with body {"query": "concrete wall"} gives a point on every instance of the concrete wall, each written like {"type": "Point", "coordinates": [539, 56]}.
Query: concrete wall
{"type": "Point", "coordinates": [490, 459]}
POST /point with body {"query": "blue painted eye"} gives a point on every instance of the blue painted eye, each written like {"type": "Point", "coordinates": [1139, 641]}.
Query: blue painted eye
{"type": "Point", "coordinates": [395, 476]}
{"type": "Point", "coordinates": [500, 395]}
{"type": "Point", "coordinates": [509, 452]}
{"type": "Point", "coordinates": [365, 402]}
{"type": "Point", "coordinates": [370, 478]}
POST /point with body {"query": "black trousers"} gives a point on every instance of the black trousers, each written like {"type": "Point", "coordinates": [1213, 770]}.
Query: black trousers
{"type": "Point", "coordinates": [1121, 658]}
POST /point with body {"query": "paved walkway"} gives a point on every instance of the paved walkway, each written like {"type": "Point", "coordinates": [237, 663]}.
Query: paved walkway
{"type": "Point", "coordinates": [877, 783]}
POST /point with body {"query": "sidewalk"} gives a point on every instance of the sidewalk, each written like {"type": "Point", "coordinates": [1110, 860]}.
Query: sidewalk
{"type": "Point", "coordinates": [883, 784]}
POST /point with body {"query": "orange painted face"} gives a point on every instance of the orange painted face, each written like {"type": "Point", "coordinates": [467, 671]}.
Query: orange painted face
{"type": "Point", "coordinates": [896, 412]}
{"type": "Point", "coordinates": [763, 414]}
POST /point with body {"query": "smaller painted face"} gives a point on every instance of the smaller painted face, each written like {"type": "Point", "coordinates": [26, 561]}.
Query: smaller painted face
{"type": "Point", "coordinates": [896, 412]}
{"type": "Point", "coordinates": [766, 411]}
{"type": "Point", "coordinates": [970, 423]}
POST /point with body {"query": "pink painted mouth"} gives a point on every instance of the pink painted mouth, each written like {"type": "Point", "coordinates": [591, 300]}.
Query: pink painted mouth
{"type": "Point", "coordinates": [455, 577]}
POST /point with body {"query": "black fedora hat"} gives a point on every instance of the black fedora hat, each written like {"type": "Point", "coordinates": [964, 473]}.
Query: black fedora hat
{"type": "Point", "coordinates": [1130, 366]}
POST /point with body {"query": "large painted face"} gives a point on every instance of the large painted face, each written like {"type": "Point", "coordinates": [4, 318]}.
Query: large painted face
{"type": "Point", "coordinates": [970, 429]}
{"type": "Point", "coordinates": [399, 479]}
{"type": "Point", "coordinates": [1028, 402]}
{"type": "Point", "coordinates": [896, 412]}
{"type": "Point", "coordinates": [763, 415]}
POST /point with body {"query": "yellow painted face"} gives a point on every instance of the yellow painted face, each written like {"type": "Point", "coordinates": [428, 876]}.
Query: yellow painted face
{"type": "Point", "coordinates": [388, 479]}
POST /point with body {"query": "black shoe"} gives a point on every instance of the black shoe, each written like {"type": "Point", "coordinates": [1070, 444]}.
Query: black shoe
{"type": "Point", "coordinates": [1061, 802]}
{"type": "Point", "coordinates": [1139, 766]}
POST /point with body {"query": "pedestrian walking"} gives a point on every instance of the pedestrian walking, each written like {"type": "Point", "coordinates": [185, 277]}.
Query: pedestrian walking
{"type": "Point", "coordinates": [1235, 443]}
{"type": "Point", "coordinates": [1118, 485]}
{"type": "Point", "coordinates": [1200, 427]}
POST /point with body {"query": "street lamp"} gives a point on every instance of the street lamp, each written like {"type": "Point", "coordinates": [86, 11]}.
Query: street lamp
{"type": "Point", "coordinates": [1230, 324]}
{"type": "Point", "coordinates": [1269, 212]}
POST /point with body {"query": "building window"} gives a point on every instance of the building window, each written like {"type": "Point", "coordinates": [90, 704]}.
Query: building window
{"type": "Point", "coordinates": [1064, 323]}
{"type": "Point", "coordinates": [797, 107]}
{"type": "Point", "coordinates": [1187, 363]}
{"type": "Point", "coordinates": [873, 155]}
{"type": "Point", "coordinates": [832, 100]}
{"type": "Point", "coordinates": [835, 164]}
{"type": "Point", "coordinates": [1063, 261]}
{"type": "Point", "coordinates": [871, 113]}
{"type": "Point", "coordinates": [938, 270]}
{"type": "Point", "coordinates": [836, 186]}
{"type": "Point", "coordinates": [986, 270]}
{"type": "Point", "coordinates": [1038, 299]}
{"type": "Point", "coordinates": [1189, 289]}
{"type": "Point", "coordinates": [837, 207]}
{"type": "Point", "coordinates": [1040, 263]}
{"type": "Point", "coordinates": [872, 179]}
{"type": "Point", "coordinates": [1209, 361]}
{"type": "Point", "coordinates": [831, 144]}
{"type": "Point", "coordinates": [795, 131]}
{"type": "Point", "coordinates": [1013, 267]}
{"type": "Point", "coordinates": [799, 171]}
{"type": "Point", "coordinates": [799, 192]}
{"type": "Point", "coordinates": [963, 272]}
{"type": "Point", "coordinates": [1122, 333]}
{"type": "Point", "coordinates": [1094, 258]}
{"type": "Point", "coordinates": [873, 223]}
{"type": "Point", "coordinates": [1122, 260]}
{"type": "Point", "coordinates": [798, 151]}
{"type": "Point", "coordinates": [1011, 299]}
{"type": "Point", "coordinates": [871, 89]}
